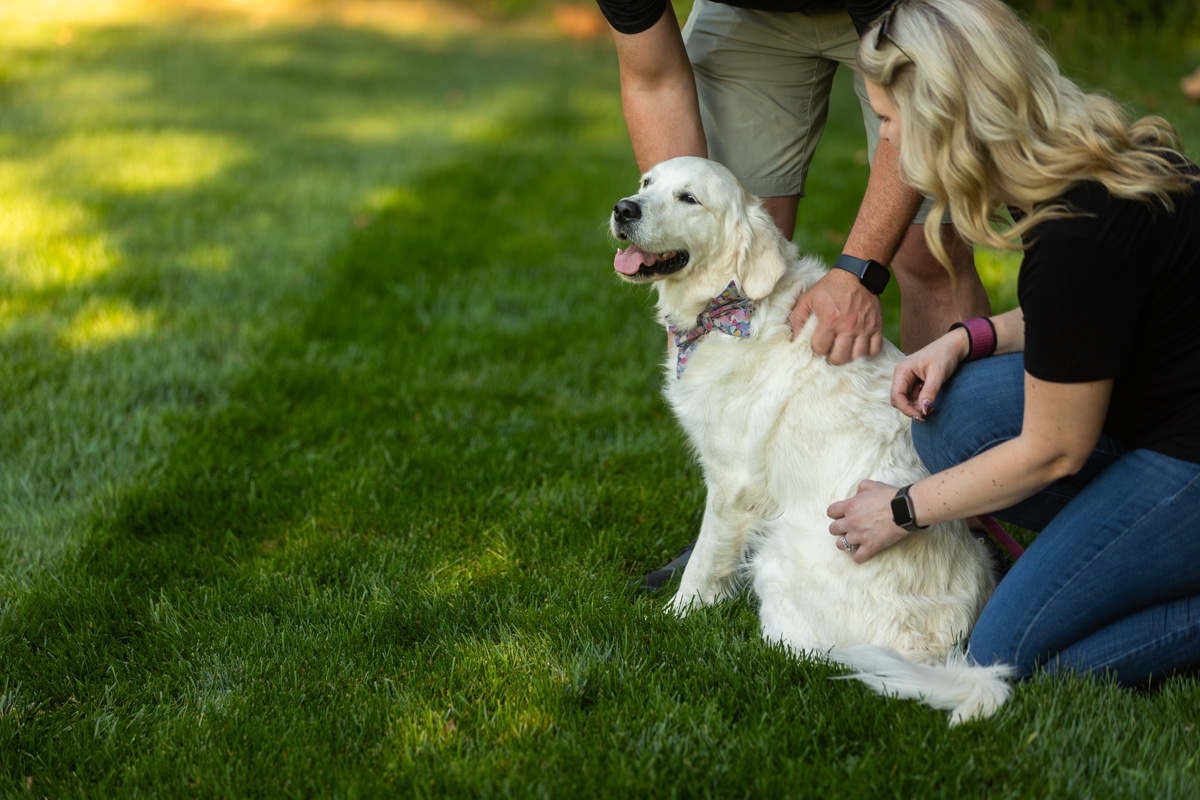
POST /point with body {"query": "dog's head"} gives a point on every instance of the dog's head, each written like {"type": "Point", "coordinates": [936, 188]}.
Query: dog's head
{"type": "Point", "coordinates": [693, 226]}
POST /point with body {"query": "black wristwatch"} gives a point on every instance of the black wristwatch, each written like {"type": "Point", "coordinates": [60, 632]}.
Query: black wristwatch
{"type": "Point", "coordinates": [902, 511]}
{"type": "Point", "coordinates": [871, 274]}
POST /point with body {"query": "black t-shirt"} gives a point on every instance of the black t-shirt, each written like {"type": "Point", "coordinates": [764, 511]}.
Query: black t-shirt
{"type": "Point", "coordinates": [635, 16]}
{"type": "Point", "coordinates": [1115, 293]}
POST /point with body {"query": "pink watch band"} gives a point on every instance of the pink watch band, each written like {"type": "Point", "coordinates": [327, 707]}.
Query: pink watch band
{"type": "Point", "coordinates": [981, 336]}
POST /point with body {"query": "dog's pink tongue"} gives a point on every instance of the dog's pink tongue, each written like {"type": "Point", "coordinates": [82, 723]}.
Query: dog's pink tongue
{"type": "Point", "coordinates": [631, 259]}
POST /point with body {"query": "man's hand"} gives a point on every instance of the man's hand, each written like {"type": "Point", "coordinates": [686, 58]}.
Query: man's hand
{"type": "Point", "coordinates": [849, 318]}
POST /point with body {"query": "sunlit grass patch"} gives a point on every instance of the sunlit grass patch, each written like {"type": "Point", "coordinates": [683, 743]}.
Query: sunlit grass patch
{"type": "Point", "coordinates": [517, 693]}
{"type": "Point", "coordinates": [134, 162]}
{"type": "Point", "coordinates": [46, 241]}
{"type": "Point", "coordinates": [99, 324]}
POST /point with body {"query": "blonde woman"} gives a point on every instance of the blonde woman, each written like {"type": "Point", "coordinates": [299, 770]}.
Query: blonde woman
{"type": "Point", "coordinates": [1076, 415]}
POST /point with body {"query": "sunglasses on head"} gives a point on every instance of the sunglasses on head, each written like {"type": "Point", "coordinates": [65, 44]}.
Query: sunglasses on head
{"type": "Point", "coordinates": [885, 26]}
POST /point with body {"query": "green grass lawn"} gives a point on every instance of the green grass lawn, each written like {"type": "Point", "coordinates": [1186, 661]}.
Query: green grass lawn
{"type": "Point", "coordinates": [328, 441]}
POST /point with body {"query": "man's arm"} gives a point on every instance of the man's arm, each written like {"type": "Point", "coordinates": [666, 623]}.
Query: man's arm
{"type": "Point", "coordinates": [889, 204]}
{"type": "Point", "coordinates": [850, 317]}
{"type": "Point", "coordinates": [658, 93]}
{"type": "Point", "coordinates": [887, 209]}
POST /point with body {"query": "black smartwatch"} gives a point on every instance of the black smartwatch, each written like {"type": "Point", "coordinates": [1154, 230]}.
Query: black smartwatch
{"type": "Point", "coordinates": [902, 511]}
{"type": "Point", "coordinates": [871, 274]}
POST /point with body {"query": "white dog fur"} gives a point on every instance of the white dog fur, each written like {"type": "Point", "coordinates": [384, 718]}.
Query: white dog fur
{"type": "Point", "coordinates": [781, 434]}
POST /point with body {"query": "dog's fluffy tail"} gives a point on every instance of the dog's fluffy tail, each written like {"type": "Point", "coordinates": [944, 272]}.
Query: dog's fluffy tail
{"type": "Point", "coordinates": [966, 690]}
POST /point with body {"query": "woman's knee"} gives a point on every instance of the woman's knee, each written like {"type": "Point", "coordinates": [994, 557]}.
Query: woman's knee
{"type": "Point", "coordinates": [1001, 632]}
{"type": "Point", "coordinates": [988, 647]}
{"type": "Point", "coordinates": [981, 406]}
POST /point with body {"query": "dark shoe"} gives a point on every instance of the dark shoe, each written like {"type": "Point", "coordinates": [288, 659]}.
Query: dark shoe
{"type": "Point", "coordinates": [656, 580]}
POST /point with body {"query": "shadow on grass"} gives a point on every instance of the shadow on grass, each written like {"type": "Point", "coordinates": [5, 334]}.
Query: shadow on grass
{"type": "Point", "coordinates": [181, 190]}
{"type": "Point", "coordinates": [472, 391]}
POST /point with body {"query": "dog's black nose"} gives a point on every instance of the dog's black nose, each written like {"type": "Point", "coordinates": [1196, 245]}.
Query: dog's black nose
{"type": "Point", "coordinates": [627, 211]}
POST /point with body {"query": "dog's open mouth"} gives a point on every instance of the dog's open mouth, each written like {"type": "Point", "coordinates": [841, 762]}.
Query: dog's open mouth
{"type": "Point", "coordinates": [635, 262]}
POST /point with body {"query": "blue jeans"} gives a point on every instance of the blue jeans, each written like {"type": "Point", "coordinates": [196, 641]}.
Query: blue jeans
{"type": "Point", "coordinates": [1111, 584]}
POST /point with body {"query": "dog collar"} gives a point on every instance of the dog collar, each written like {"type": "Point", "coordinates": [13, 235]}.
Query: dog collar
{"type": "Point", "coordinates": [729, 312]}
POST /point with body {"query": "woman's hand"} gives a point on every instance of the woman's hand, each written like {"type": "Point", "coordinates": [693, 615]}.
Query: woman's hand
{"type": "Point", "coordinates": [866, 520]}
{"type": "Point", "coordinates": [918, 378]}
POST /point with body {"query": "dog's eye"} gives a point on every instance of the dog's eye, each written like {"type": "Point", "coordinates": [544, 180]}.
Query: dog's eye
{"type": "Point", "coordinates": [688, 197]}
{"type": "Point", "coordinates": [645, 183]}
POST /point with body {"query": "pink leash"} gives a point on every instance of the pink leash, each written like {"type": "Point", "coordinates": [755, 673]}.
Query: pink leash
{"type": "Point", "coordinates": [1001, 536]}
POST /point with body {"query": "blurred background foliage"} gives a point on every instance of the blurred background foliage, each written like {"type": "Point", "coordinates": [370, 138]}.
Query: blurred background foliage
{"type": "Point", "coordinates": [1120, 13]}
{"type": "Point", "coordinates": [1083, 34]}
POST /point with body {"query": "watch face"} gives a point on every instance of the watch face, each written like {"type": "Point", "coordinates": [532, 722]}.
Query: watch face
{"type": "Point", "coordinates": [875, 276]}
{"type": "Point", "coordinates": [901, 513]}
{"type": "Point", "coordinates": [871, 274]}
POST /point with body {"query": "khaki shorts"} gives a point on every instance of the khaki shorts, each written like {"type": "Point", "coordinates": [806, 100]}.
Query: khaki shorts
{"type": "Point", "coordinates": [764, 80]}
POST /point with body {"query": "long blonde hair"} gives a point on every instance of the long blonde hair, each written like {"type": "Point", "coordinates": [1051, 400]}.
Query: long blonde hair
{"type": "Point", "coordinates": [986, 118]}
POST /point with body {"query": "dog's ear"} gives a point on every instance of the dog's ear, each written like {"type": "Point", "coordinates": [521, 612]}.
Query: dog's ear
{"type": "Point", "coordinates": [764, 254]}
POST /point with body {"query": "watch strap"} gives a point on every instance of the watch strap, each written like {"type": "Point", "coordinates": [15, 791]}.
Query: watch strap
{"type": "Point", "coordinates": [981, 337]}
{"type": "Point", "coordinates": [871, 274]}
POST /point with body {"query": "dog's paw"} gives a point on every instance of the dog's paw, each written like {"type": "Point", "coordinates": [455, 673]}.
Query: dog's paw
{"type": "Point", "coordinates": [685, 602]}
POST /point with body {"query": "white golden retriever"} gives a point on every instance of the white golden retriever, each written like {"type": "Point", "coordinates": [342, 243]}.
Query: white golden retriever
{"type": "Point", "coordinates": [781, 434]}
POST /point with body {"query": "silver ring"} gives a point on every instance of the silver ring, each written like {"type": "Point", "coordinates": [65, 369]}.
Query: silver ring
{"type": "Point", "coordinates": [844, 545]}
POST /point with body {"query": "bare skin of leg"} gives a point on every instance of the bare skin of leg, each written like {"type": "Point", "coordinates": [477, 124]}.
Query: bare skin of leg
{"type": "Point", "coordinates": [931, 301]}
{"type": "Point", "coordinates": [1190, 84]}
{"type": "Point", "coordinates": [783, 211]}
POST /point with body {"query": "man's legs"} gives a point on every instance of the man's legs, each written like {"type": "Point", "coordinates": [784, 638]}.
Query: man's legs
{"type": "Point", "coordinates": [783, 212]}
{"type": "Point", "coordinates": [930, 300]}
{"type": "Point", "coordinates": [763, 83]}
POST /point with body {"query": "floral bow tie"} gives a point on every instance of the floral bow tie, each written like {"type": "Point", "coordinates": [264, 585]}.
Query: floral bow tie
{"type": "Point", "coordinates": [729, 312]}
